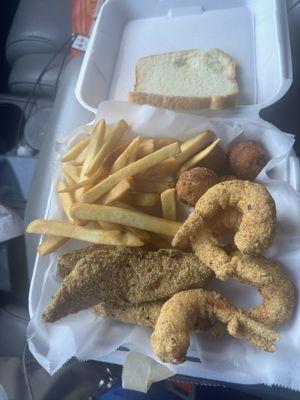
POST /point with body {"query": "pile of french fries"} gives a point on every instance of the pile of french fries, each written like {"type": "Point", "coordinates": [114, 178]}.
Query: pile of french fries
{"type": "Point", "coordinates": [121, 191]}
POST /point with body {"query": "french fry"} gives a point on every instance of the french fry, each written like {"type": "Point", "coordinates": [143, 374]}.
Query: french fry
{"type": "Point", "coordinates": [51, 244]}
{"type": "Point", "coordinates": [127, 157]}
{"type": "Point", "coordinates": [168, 203]}
{"type": "Point", "coordinates": [98, 236]}
{"type": "Point", "coordinates": [203, 136]}
{"type": "Point", "coordinates": [78, 193]}
{"type": "Point", "coordinates": [95, 144]}
{"type": "Point", "coordinates": [75, 150]}
{"type": "Point", "coordinates": [73, 171]}
{"type": "Point", "coordinates": [80, 184]}
{"type": "Point", "coordinates": [114, 137]}
{"type": "Point", "coordinates": [151, 186]}
{"type": "Point", "coordinates": [111, 157]}
{"type": "Point", "coordinates": [95, 212]}
{"type": "Point", "coordinates": [158, 241]}
{"type": "Point", "coordinates": [188, 149]}
{"type": "Point", "coordinates": [142, 199]}
{"type": "Point", "coordinates": [143, 235]}
{"type": "Point", "coordinates": [164, 169]}
{"type": "Point", "coordinates": [191, 146]}
{"type": "Point", "coordinates": [67, 200]}
{"type": "Point", "coordinates": [79, 160]}
{"type": "Point", "coordinates": [198, 157]}
{"type": "Point", "coordinates": [69, 181]}
{"type": "Point", "coordinates": [117, 192]}
{"type": "Point", "coordinates": [109, 226]}
{"type": "Point", "coordinates": [107, 133]}
{"type": "Point", "coordinates": [130, 170]}
{"type": "Point", "coordinates": [146, 147]}
{"type": "Point", "coordinates": [121, 204]}
{"type": "Point", "coordinates": [103, 171]}
{"type": "Point", "coordinates": [163, 142]}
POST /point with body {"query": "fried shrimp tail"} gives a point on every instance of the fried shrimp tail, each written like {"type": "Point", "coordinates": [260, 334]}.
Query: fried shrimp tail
{"type": "Point", "coordinates": [243, 327]}
{"type": "Point", "coordinates": [178, 316]}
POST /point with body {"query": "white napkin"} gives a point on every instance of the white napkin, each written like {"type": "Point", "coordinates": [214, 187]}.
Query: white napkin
{"type": "Point", "coordinates": [87, 336]}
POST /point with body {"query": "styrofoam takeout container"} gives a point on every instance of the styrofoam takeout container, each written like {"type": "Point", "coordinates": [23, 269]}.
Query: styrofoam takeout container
{"type": "Point", "coordinates": [253, 32]}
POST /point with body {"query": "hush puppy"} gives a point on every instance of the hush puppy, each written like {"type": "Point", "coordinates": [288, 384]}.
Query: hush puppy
{"type": "Point", "coordinates": [247, 159]}
{"type": "Point", "coordinates": [193, 183]}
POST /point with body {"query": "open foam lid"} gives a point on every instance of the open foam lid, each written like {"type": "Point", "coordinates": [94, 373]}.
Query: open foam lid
{"type": "Point", "coordinates": [253, 32]}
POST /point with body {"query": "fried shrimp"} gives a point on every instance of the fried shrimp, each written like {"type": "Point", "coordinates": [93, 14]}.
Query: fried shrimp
{"type": "Point", "coordinates": [178, 316]}
{"type": "Point", "coordinates": [207, 245]}
{"type": "Point", "coordinates": [278, 294]}
{"type": "Point", "coordinates": [256, 227]}
{"type": "Point", "coordinates": [276, 289]}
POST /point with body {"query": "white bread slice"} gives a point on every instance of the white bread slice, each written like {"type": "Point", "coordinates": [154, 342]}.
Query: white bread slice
{"type": "Point", "coordinates": [186, 80]}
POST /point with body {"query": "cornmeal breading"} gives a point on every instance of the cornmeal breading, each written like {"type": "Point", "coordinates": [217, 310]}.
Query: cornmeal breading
{"type": "Point", "coordinates": [144, 314]}
{"type": "Point", "coordinates": [126, 276]}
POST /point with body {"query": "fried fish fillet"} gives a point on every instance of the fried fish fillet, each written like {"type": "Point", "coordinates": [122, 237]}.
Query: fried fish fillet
{"type": "Point", "coordinates": [126, 275]}
{"type": "Point", "coordinates": [145, 314]}
{"type": "Point", "coordinates": [66, 262]}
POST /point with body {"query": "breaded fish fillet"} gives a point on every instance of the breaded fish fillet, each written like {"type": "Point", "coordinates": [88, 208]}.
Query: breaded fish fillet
{"type": "Point", "coordinates": [126, 276]}
{"type": "Point", "coordinates": [145, 314]}
{"type": "Point", "coordinates": [66, 262]}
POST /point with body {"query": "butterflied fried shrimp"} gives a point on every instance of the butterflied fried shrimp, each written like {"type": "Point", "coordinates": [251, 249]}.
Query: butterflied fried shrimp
{"type": "Point", "coordinates": [258, 214]}
{"type": "Point", "coordinates": [170, 339]}
{"type": "Point", "coordinates": [276, 289]}
{"type": "Point", "coordinates": [126, 275]}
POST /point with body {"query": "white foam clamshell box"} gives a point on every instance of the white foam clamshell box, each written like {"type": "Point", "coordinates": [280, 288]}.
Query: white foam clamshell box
{"type": "Point", "coordinates": [253, 32]}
